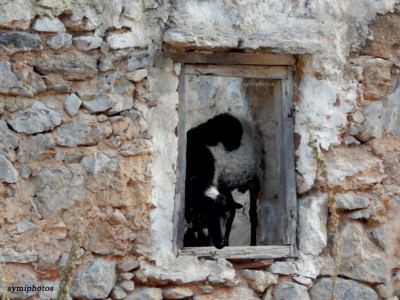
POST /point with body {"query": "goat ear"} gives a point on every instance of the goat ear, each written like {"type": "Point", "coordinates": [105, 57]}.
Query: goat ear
{"type": "Point", "coordinates": [237, 205]}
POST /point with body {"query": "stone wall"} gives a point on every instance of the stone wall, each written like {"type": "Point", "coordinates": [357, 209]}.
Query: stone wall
{"type": "Point", "coordinates": [88, 112]}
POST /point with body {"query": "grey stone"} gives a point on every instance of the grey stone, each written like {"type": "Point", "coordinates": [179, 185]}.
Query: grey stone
{"type": "Point", "coordinates": [16, 14]}
{"type": "Point", "coordinates": [61, 187]}
{"type": "Point", "coordinates": [381, 117]}
{"type": "Point", "coordinates": [37, 147]}
{"type": "Point", "coordinates": [102, 118]}
{"type": "Point", "coordinates": [61, 88]}
{"type": "Point", "coordinates": [60, 41]}
{"type": "Point", "coordinates": [21, 83]}
{"type": "Point", "coordinates": [378, 234]}
{"type": "Point", "coordinates": [259, 280]}
{"type": "Point", "coordinates": [118, 293]}
{"type": "Point", "coordinates": [25, 225]}
{"type": "Point", "coordinates": [110, 104]}
{"type": "Point", "coordinates": [345, 290]}
{"type": "Point", "coordinates": [360, 258]}
{"type": "Point", "coordinates": [177, 293]}
{"type": "Point", "coordinates": [8, 174]}
{"type": "Point", "coordinates": [127, 285]}
{"type": "Point", "coordinates": [23, 277]}
{"type": "Point", "coordinates": [137, 60]}
{"type": "Point", "coordinates": [36, 118]}
{"type": "Point", "coordinates": [144, 293]}
{"type": "Point", "coordinates": [48, 24]}
{"type": "Point", "coordinates": [313, 215]}
{"type": "Point", "coordinates": [94, 282]}
{"type": "Point", "coordinates": [108, 59]}
{"type": "Point", "coordinates": [289, 290]}
{"type": "Point", "coordinates": [351, 201]}
{"type": "Point", "coordinates": [25, 171]}
{"type": "Point", "coordinates": [84, 130]}
{"type": "Point", "coordinates": [71, 65]}
{"type": "Point", "coordinates": [100, 163]}
{"type": "Point", "coordinates": [304, 265]}
{"type": "Point", "coordinates": [137, 75]}
{"type": "Point", "coordinates": [15, 41]}
{"type": "Point", "coordinates": [86, 43]}
{"type": "Point", "coordinates": [100, 104]}
{"type": "Point", "coordinates": [8, 139]}
{"type": "Point", "coordinates": [9, 255]}
{"type": "Point", "coordinates": [72, 104]}
{"type": "Point", "coordinates": [302, 280]}
{"type": "Point", "coordinates": [359, 215]}
{"type": "Point", "coordinates": [206, 289]}
{"type": "Point", "coordinates": [128, 264]}
{"type": "Point", "coordinates": [126, 276]}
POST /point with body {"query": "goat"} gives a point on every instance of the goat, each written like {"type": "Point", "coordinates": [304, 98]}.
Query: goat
{"type": "Point", "coordinates": [221, 155]}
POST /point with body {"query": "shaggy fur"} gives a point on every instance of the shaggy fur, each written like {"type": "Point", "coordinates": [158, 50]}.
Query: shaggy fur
{"type": "Point", "coordinates": [221, 156]}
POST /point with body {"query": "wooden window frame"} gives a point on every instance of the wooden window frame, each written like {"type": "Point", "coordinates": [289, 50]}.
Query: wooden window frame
{"type": "Point", "coordinates": [254, 65]}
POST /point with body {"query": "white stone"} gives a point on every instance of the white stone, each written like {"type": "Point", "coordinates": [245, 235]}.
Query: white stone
{"type": "Point", "coordinates": [126, 276]}
{"type": "Point", "coordinates": [72, 104]}
{"type": "Point", "coordinates": [127, 285]}
{"type": "Point", "coordinates": [313, 215]}
{"type": "Point", "coordinates": [128, 264]}
{"type": "Point", "coordinates": [137, 75]}
{"type": "Point", "coordinates": [118, 293]}
{"type": "Point", "coordinates": [99, 163]}
{"type": "Point", "coordinates": [351, 201]}
{"type": "Point", "coordinates": [87, 43]}
{"type": "Point", "coordinates": [359, 214]}
{"type": "Point", "coordinates": [8, 173]}
{"type": "Point", "coordinates": [129, 39]}
{"type": "Point", "coordinates": [60, 41]}
{"type": "Point", "coordinates": [177, 293]}
{"type": "Point", "coordinates": [352, 167]}
{"type": "Point", "coordinates": [259, 280]}
{"type": "Point", "coordinates": [48, 24]}
{"type": "Point", "coordinates": [304, 266]}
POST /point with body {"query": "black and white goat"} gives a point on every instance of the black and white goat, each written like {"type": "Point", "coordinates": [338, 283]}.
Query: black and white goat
{"type": "Point", "coordinates": [222, 155]}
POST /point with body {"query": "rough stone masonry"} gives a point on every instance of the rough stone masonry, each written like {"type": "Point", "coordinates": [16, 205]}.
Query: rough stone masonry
{"type": "Point", "coordinates": [87, 135]}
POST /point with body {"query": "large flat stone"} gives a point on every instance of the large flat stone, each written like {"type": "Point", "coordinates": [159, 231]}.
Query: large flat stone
{"type": "Point", "coordinates": [313, 215]}
{"type": "Point", "coordinates": [9, 255]}
{"type": "Point", "coordinates": [290, 290]}
{"type": "Point", "coordinates": [38, 117]}
{"type": "Point", "coordinates": [345, 290]}
{"type": "Point", "coordinates": [351, 200]}
{"type": "Point", "coordinates": [95, 281]}
{"type": "Point", "coordinates": [19, 82]}
{"type": "Point", "coordinates": [145, 293]}
{"type": "Point", "coordinates": [360, 258]}
{"type": "Point", "coordinates": [61, 187]}
{"type": "Point", "coordinates": [37, 147]}
{"type": "Point", "coordinates": [71, 65]}
{"type": "Point", "coordinates": [84, 130]}
{"type": "Point", "coordinates": [16, 41]}
{"type": "Point", "coordinates": [354, 167]}
{"type": "Point", "coordinates": [48, 24]}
